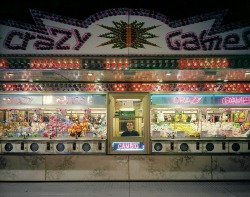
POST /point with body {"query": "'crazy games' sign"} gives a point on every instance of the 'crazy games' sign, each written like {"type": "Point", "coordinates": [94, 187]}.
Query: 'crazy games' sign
{"type": "Point", "coordinates": [200, 100]}
{"type": "Point", "coordinates": [109, 32]}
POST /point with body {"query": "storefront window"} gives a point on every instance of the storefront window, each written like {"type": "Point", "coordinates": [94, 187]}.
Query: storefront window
{"type": "Point", "coordinates": [177, 116]}
{"type": "Point", "coordinates": [82, 115]}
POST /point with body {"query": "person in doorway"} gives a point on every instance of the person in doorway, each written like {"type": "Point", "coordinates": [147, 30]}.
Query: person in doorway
{"type": "Point", "coordinates": [130, 130]}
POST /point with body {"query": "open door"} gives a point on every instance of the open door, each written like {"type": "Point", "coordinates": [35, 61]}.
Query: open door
{"type": "Point", "coordinates": [128, 128]}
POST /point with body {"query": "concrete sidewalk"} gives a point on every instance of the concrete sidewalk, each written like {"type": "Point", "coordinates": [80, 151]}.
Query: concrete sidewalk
{"type": "Point", "coordinates": [125, 189]}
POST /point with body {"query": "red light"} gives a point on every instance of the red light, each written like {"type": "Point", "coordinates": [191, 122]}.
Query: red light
{"type": "Point", "coordinates": [200, 63]}
{"type": "Point", "coordinates": [107, 65]}
{"type": "Point", "coordinates": [3, 63]}
{"type": "Point", "coordinates": [120, 65]}
{"type": "Point", "coordinates": [182, 64]}
{"type": "Point", "coordinates": [76, 65]}
{"type": "Point", "coordinates": [70, 65]}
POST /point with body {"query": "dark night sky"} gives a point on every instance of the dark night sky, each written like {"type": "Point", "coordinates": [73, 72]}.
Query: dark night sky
{"type": "Point", "coordinates": [238, 10]}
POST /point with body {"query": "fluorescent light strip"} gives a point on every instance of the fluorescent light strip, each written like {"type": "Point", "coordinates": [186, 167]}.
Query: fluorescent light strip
{"type": "Point", "coordinates": [128, 99]}
{"type": "Point", "coordinates": [127, 109]}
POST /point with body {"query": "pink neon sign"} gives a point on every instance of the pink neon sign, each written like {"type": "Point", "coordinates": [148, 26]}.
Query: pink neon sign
{"type": "Point", "coordinates": [186, 100]}
{"type": "Point", "coordinates": [128, 146]}
{"type": "Point", "coordinates": [72, 100]}
{"type": "Point", "coordinates": [18, 100]}
{"type": "Point", "coordinates": [235, 100]}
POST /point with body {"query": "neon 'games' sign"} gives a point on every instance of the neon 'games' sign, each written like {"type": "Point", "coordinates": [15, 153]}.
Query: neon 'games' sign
{"type": "Point", "coordinates": [179, 40]}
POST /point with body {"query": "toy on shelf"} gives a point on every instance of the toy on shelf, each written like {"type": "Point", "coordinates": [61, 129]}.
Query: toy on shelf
{"type": "Point", "coordinates": [51, 126]}
{"type": "Point", "coordinates": [239, 116]}
{"type": "Point", "coordinates": [77, 128]}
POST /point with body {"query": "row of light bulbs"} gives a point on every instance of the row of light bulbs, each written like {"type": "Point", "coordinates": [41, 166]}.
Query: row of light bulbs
{"type": "Point", "coordinates": [174, 87]}
{"type": "Point", "coordinates": [121, 63]}
{"type": "Point", "coordinates": [204, 63]}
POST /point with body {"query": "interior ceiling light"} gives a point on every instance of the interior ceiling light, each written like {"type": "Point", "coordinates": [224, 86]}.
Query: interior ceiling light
{"type": "Point", "coordinates": [90, 74]}
{"type": "Point", "coordinates": [247, 73]}
{"type": "Point", "coordinates": [127, 109]}
{"type": "Point", "coordinates": [128, 99]}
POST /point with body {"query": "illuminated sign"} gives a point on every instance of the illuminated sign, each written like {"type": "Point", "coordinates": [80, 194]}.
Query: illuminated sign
{"type": "Point", "coordinates": [235, 100]}
{"type": "Point", "coordinates": [128, 146]}
{"type": "Point", "coordinates": [54, 99]}
{"type": "Point", "coordinates": [86, 100]}
{"type": "Point", "coordinates": [100, 34]}
{"type": "Point", "coordinates": [179, 40]}
{"type": "Point", "coordinates": [20, 100]}
{"type": "Point", "coordinates": [164, 99]}
{"type": "Point", "coordinates": [46, 42]}
{"type": "Point", "coordinates": [187, 100]}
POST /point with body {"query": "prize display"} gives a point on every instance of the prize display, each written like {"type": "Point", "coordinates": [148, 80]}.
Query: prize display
{"type": "Point", "coordinates": [54, 116]}
{"type": "Point", "coordinates": [200, 116]}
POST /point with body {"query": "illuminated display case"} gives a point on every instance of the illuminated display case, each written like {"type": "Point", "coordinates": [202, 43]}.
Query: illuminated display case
{"type": "Point", "coordinates": [178, 116]}
{"type": "Point", "coordinates": [171, 122]}
{"type": "Point", "coordinates": [42, 117]}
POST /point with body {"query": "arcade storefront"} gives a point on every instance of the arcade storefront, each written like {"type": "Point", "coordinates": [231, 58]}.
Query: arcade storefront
{"type": "Point", "coordinates": [69, 89]}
